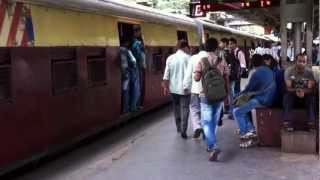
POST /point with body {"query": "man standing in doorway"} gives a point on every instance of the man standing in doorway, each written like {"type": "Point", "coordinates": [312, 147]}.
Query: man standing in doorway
{"type": "Point", "coordinates": [139, 53]}
{"type": "Point", "coordinates": [175, 71]}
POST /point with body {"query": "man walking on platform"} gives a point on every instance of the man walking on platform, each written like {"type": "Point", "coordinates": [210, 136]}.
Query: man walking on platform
{"type": "Point", "coordinates": [213, 72]}
{"type": "Point", "coordinates": [190, 84]}
{"type": "Point", "coordinates": [175, 71]}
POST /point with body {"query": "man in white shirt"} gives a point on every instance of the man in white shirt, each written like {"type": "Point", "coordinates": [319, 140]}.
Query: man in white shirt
{"type": "Point", "coordinates": [175, 71]}
{"type": "Point", "coordinates": [196, 87]}
{"type": "Point", "coordinates": [259, 50]}
{"type": "Point", "coordinates": [290, 51]}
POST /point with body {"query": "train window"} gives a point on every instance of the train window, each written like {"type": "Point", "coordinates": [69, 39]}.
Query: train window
{"type": "Point", "coordinates": [157, 62]}
{"type": "Point", "coordinates": [64, 70]}
{"type": "Point", "coordinates": [5, 75]}
{"type": "Point", "coordinates": [182, 35]}
{"type": "Point", "coordinates": [97, 68]}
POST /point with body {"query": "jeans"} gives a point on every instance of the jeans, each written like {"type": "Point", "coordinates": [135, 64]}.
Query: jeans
{"type": "Point", "coordinates": [210, 114]}
{"type": "Point", "coordinates": [135, 91]}
{"type": "Point", "coordinates": [181, 111]}
{"type": "Point", "coordinates": [125, 96]}
{"type": "Point", "coordinates": [242, 115]}
{"type": "Point", "coordinates": [231, 96]}
{"type": "Point", "coordinates": [195, 111]}
{"type": "Point", "coordinates": [309, 101]}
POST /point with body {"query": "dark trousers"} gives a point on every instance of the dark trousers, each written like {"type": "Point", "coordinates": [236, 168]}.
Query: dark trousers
{"type": "Point", "coordinates": [181, 111]}
{"type": "Point", "coordinates": [237, 86]}
{"type": "Point", "coordinates": [290, 99]}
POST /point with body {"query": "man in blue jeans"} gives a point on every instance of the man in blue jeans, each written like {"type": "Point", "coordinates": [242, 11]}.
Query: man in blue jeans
{"type": "Point", "coordinates": [262, 84]}
{"type": "Point", "coordinates": [210, 112]}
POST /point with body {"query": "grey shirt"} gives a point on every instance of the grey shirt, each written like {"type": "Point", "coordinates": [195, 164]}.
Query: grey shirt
{"type": "Point", "coordinates": [298, 80]}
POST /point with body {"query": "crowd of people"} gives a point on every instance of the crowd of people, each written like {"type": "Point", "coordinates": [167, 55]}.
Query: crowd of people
{"type": "Point", "coordinates": [207, 85]}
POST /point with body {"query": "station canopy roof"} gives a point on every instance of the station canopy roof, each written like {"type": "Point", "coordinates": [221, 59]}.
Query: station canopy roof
{"type": "Point", "coordinates": [262, 12]}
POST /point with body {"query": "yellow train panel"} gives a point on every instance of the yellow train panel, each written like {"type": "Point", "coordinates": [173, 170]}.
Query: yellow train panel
{"type": "Point", "coordinates": [54, 27]}
{"type": "Point", "coordinates": [193, 37]}
{"type": "Point", "coordinates": [159, 35]}
{"type": "Point", "coordinates": [164, 35]}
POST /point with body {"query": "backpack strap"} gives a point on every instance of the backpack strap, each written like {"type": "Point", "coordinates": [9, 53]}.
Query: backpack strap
{"type": "Point", "coordinates": [206, 64]}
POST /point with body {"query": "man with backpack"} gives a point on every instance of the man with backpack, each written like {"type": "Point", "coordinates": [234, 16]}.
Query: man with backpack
{"type": "Point", "coordinates": [213, 73]}
{"type": "Point", "coordinates": [237, 62]}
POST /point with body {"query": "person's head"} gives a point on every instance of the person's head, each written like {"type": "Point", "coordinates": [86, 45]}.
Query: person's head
{"type": "Point", "coordinates": [126, 42]}
{"type": "Point", "coordinates": [223, 43]}
{"type": "Point", "coordinates": [136, 31]}
{"type": "Point", "coordinates": [184, 46]}
{"type": "Point", "coordinates": [301, 62]}
{"type": "Point", "coordinates": [211, 45]}
{"type": "Point", "coordinates": [232, 43]}
{"type": "Point", "coordinates": [268, 60]}
{"type": "Point", "coordinates": [256, 60]}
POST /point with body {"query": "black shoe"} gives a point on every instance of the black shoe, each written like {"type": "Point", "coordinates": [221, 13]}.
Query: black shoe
{"type": "Point", "coordinates": [184, 136]}
{"type": "Point", "coordinates": [230, 117]}
{"type": "Point", "coordinates": [197, 133]}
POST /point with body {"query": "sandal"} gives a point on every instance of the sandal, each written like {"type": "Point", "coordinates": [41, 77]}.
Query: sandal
{"type": "Point", "coordinates": [249, 135]}
{"type": "Point", "coordinates": [312, 126]}
{"type": "Point", "coordinates": [287, 126]}
{"type": "Point", "coordinates": [214, 155]}
{"type": "Point", "coordinates": [248, 143]}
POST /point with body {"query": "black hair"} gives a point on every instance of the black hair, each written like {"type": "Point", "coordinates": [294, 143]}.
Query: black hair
{"type": "Point", "coordinates": [224, 40]}
{"type": "Point", "coordinates": [211, 44]}
{"type": "Point", "coordinates": [256, 60]}
{"type": "Point", "coordinates": [269, 57]}
{"type": "Point", "coordinates": [182, 44]}
{"type": "Point", "coordinates": [233, 40]}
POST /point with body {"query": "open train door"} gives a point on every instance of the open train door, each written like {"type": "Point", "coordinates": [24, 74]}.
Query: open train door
{"type": "Point", "coordinates": [128, 32]}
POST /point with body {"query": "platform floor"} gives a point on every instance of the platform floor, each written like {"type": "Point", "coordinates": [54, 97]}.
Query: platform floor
{"type": "Point", "coordinates": [150, 149]}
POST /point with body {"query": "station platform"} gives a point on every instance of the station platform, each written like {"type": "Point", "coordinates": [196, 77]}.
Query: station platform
{"type": "Point", "coordinates": [150, 148]}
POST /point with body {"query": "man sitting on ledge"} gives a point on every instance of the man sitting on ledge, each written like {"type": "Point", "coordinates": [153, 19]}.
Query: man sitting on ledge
{"type": "Point", "coordinates": [300, 85]}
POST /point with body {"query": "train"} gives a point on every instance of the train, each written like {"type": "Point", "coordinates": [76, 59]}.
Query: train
{"type": "Point", "coordinates": [60, 78]}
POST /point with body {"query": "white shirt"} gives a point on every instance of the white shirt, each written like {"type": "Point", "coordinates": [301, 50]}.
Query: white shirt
{"type": "Point", "coordinates": [275, 50]}
{"type": "Point", "coordinates": [267, 51]}
{"type": "Point", "coordinates": [176, 68]}
{"type": "Point", "coordinates": [241, 57]}
{"type": "Point", "coordinates": [188, 81]}
{"type": "Point", "coordinates": [290, 53]}
{"type": "Point", "coordinates": [259, 50]}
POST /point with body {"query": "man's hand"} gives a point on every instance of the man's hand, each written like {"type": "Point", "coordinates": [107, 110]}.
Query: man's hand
{"type": "Point", "coordinates": [300, 93]}
{"type": "Point", "coordinates": [166, 91]}
{"type": "Point", "coordinates": [186, 91]}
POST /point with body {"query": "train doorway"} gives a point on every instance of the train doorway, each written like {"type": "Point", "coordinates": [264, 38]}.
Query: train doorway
{"type": "Point", "coordinates": [133, 65]}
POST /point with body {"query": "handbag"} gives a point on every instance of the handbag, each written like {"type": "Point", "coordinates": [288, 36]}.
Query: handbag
{"type": "Point", "coordinates": [244, 98]}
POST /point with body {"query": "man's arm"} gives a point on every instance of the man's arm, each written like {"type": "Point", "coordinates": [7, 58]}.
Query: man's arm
{"type": "Point", "coordinates": [289, 86]}
{"type": "Point", "coordinates": [187, 80]}
{"type": "Point", "coordinates": [197, 72]}
{"type": "Point", "coordinates": [166, 78]}
{"type": "Point", "coordinates": [242, 59]}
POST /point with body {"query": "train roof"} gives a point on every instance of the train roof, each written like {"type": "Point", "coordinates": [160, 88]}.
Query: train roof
{"type": "Point", "coordinates": [123, 9]}
{"type": "Point", "coordinates": [117, 8]}
{"type": "Point", "coordinates": [230, 30]}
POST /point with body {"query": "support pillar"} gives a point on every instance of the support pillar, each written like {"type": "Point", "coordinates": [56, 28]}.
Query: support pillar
{"type": "Point", "coordinates": [297, 26]}
{"type": "Point", "coordinates": [283, 31]}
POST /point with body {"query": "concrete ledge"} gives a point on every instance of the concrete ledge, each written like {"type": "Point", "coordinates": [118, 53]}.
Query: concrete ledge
{"type": "Point", "coordinates": [299, 142]}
